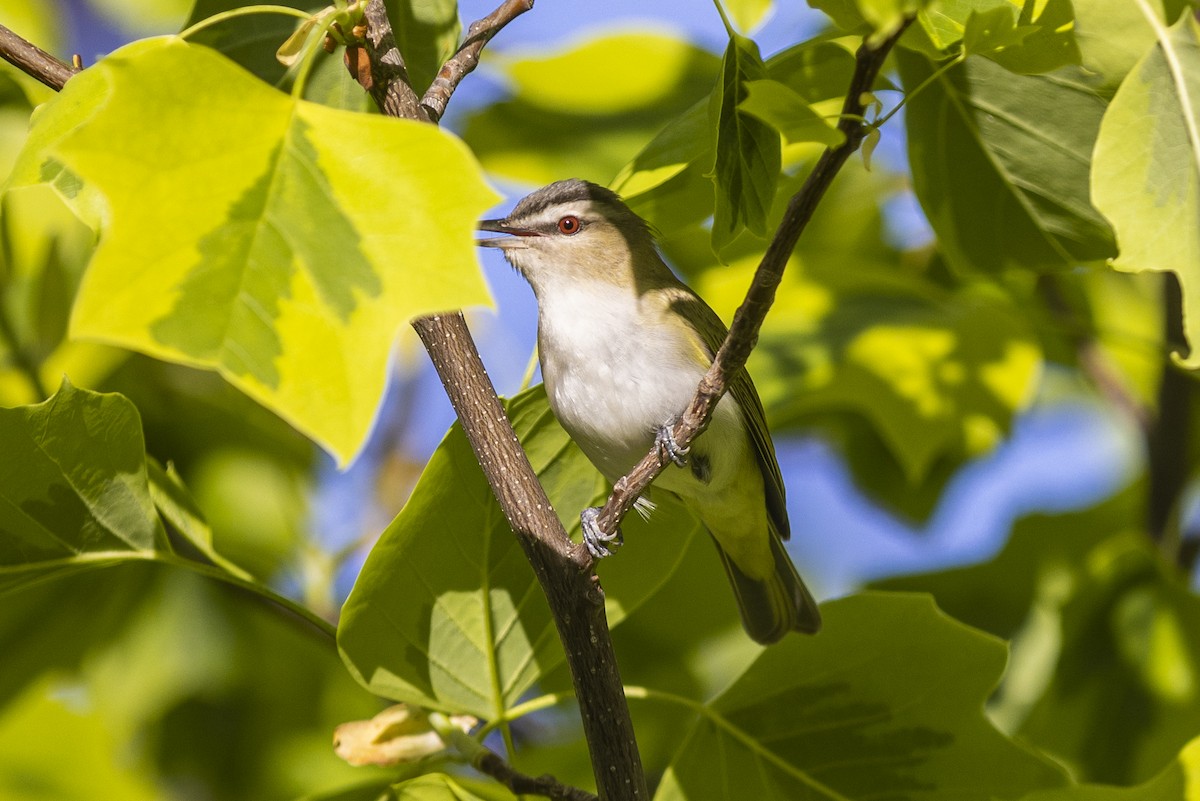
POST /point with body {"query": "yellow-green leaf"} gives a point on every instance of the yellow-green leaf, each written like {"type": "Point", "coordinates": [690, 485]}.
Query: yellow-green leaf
{"type": "Point", "coordinates": [1146, 167]}
{"type": "Point", "coordinates": [276, 241]}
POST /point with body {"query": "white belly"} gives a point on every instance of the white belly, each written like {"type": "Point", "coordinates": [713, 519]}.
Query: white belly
{"type": "Point", "coordinates": [614, 376]}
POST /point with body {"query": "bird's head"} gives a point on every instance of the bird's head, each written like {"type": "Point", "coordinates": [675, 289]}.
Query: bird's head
{"type": "Point", "coordinates": [572, 230]}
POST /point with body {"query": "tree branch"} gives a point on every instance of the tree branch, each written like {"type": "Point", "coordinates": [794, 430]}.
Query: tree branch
{"type": "Point", "coordinates": [33, 60]}
{"type": "Point", "coordinates": [572, 591]}
{"type": "Point", "coordinates": [743, 333]}
{"type": "Point", "coordinates": [466, 58]}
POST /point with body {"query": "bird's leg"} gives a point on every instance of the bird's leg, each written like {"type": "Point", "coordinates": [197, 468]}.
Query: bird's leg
{"type": "Point", "coordinates": [598, 543]}
{"type": "Point", "coordinates": [664, 441]}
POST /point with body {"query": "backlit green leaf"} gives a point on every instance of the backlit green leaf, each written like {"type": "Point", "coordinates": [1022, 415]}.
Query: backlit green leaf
{"type": "Point", "coordinates": [890, 695]}
{"type": "Point", "coordinates": [427, 32]}
{"type": "Point", "coordinates": [278, 242]}
{"type": "Point", "coordinates": [1146, 173]}
{"type": "Point", "coordinates": [785, 111]}
{"type": "Point", "coordinates": [1000, 164]}
{"type": "Point", "coordinates": [747, 14]}
{"type": "Point", "coordinates": [1113, 35]}
{"type": "Point", "coordinates": [447, 613]}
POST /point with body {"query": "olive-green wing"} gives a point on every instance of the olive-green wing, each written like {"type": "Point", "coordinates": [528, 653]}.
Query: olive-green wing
{"type": "Point", "coordinates": [712, 333]}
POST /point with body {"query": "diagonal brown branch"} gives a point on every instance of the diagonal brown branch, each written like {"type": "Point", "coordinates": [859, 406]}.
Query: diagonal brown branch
{"type": "Point", "coordinates": [743, 333]}
{"type": "Point", "coordinates": [466, 58]}
{"type": "Point", "coordinates": [33, 60]}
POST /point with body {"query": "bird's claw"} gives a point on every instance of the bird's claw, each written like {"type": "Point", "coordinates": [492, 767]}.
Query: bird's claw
{"type": "Point", "coordinates": [598, 543]}
{"type": "Point", "coordinates": [664, 440]}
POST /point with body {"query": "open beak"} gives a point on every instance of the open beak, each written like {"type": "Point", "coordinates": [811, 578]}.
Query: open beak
{"type": "Point", "coordinates": [513, 240]}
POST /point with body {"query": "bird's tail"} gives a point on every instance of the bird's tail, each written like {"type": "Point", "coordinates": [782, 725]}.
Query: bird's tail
{"type": "Point", "coordinates": [772, 607]}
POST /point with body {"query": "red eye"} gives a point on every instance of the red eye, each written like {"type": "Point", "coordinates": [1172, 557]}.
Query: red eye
{"type": "Point", "coordinates": [569, 225]}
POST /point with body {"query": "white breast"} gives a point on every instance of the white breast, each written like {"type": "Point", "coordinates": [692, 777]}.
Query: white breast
{"type": "Point", "coordinates": [614, 372]}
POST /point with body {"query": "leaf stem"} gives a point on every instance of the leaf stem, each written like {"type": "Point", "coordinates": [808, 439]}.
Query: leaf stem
{"type": "Point", "coordinates": [216, 19]}
{"type": "Point", "coordinates": [938, 73]}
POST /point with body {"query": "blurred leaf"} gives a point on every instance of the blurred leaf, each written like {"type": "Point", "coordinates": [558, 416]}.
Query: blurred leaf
{"type": "Point", "coordinates": [1125, 694]}
{"type": "Point", "coordinates": [635, 82]}
{"type": "Point", "coordinates": [747, 14]}
{"type": "Point", "coordinates": [1177, 782]}
{"type": "Point", "coordinates": [144, 17]}
{"type": "Point", "coordinates": [446, 612]}
{"type": "Point", "coordinates": [1113, 35]}
{"type": "Point", "coordinates": [1000, 165]}
{"type": "Point", "coordinates": [1146, 172]}
{"type": "Point", "coordinates": [54, 749]}
{"type": "Point", "coordinates": [427, 32]}
{"type": "Point", "coordinates": [881, 17]}
{"type": "Point", "coordinates": [888, 696]}
{"type": "Point", "coordinates": [271, 248]}
{"type": "Point", "coordinates": [74, 483]}
{"type": "Point", "coordinates": [785, 111]}
{"type": "Point", "coordinates": [746, 164]}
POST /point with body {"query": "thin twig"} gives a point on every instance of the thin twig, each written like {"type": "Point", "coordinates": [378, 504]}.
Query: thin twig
{"type": "Point", "coordinates": [487, 761]}
{"type": "Point", "coordinates": [743, 333]}
{"type": "Point", "coordinates": [33, 60]}
{"type": "Point", "coordinates": [466, 58]}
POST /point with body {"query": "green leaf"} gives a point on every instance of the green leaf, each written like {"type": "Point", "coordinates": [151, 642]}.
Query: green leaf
{"type": "Point", "coordinates": [1146, 172]}
{"type": "Point", "coordinates": [890, 695]}
{"type": "Point", "coordinates": [278, 242]}
{"type": "Point", "coordinates": [745, 168]}
{"type": "Point", "coordinates": [1025, 36]}
{"type": "Point", "coordinates": [1000, 164]}
{"type": "Point", "coordinates": [786, 112]}
{"type": "Point", "coordinates": [447, 613]}
{"type": "Point", "coordinates": [73, 483]}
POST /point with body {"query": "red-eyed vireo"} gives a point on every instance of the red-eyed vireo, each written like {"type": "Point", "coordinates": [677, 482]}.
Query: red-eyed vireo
{"type": "Point", "coordinates": [623, 345]}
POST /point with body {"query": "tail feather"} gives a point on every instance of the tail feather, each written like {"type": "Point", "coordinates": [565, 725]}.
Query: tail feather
{"type": "Point", "coordinates": [781, 603]}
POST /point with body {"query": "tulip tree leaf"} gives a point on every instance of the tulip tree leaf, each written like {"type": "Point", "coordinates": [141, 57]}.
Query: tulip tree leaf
{"type": "Point", "coordinates": [1146, 173]}
{"type": "Point", "coordinates": [471, 632]}
{"type": "Point", "coordinates": [1000, 164]}
{"type": "Point", "coordinates": [276, 241]}
{"type": "Point", "coordinates": [889, 695]}
{"type": "Point", "coordinates": [747, 154]}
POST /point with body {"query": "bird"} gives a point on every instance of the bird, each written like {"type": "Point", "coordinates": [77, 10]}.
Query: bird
{"type": "Point", "coordinates": [623, 344]}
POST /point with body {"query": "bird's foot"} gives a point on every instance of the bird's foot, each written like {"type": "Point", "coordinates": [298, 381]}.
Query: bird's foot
{"type": "Point", "coordinates": [664, 440]}
{"type": "Point", "coordinates": [598, 543]}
